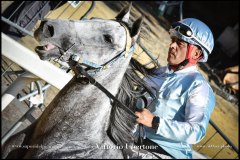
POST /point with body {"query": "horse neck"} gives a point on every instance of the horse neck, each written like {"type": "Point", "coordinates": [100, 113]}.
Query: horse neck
{"type": "Point", "coordinates": [80, 110]}
{"type": "Point", "coordinates": [111, 80]}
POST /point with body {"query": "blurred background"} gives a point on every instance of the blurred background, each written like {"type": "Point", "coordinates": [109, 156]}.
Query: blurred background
{"type": "Point", "coordinates": [20, 19]}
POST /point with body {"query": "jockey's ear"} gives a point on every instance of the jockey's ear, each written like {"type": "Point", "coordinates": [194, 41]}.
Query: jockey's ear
{"type": "Point", "coordinates": [136, 27]}
{"type": "Point", "coordinates": [124, 14]}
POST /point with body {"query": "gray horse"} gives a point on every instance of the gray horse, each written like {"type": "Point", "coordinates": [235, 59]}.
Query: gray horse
{"type": "Point", "coordinates": [75, 124]}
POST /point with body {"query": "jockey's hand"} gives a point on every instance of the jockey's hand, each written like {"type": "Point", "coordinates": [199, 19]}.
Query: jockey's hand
{"type": "Point", "coordinates": [145, 117]}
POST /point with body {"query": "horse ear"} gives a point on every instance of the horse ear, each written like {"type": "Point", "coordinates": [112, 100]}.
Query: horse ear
{"type": "Point", "coordinates": [124, 14]}
{"type": "Point", "coordinates": [136, 27]}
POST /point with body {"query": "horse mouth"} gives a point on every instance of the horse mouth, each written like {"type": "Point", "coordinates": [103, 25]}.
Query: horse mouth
{"type": "Point", "coordinates": [47, 51]}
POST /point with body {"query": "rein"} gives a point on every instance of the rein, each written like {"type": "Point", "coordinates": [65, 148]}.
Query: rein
{"type": "Point", "coordinates": [103, 89]}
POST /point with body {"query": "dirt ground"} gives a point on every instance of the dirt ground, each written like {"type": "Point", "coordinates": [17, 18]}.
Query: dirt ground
{"type": "Point", "coordinates": [155, 38]}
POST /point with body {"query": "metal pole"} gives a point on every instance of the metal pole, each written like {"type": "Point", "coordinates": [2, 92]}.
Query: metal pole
{"type": "Point", "coordinates": [89, 10]}
{"type": "Point", "coordinates": [181, 10]}
{"type": "Point", "coordinates": [31, 90]}
{"type": "Point", "coordinates": [16, 26]}
{"type": "Point", "coordinates": [224, 136]}
{"type": "Point", "coordinates": [34, 93]}
{"type": "Point", "coordinates": [17, 125]}
{"type": "Point", "coordinates": [36, 14]}
{"type": "Point", "coordinates": [150, 54]}
{"type": "Point", "coordinates": [7, 69]}
{"type": "Point", "coordinates": [15, 87]}
{"type": "Point", "coordinates": [11, 131]}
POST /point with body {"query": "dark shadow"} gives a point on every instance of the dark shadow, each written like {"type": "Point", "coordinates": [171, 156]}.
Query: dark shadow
{"type": "Point", "coordinates": [220, 60]}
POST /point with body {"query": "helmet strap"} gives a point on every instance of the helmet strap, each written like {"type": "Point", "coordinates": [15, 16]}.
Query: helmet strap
{"type": "Point", "coordinates": [181, 65]}
{"type": "Point", "coordinates": [188, 56]}
{"type": "Point", "coordinates": [188, 59]}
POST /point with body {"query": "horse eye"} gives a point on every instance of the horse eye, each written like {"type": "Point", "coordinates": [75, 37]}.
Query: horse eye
{"type": "Point", "coordinates": [108, 38]}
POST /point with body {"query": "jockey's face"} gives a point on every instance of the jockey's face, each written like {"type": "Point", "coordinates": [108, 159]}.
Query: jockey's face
{"type": "Point", "coordinates": [177, 51]}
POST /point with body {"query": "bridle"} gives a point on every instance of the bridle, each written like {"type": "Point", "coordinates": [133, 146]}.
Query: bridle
{"type": "Point", "coordinates": [87, 68]}
{"type": "Point", "coordinates": [91, 67]}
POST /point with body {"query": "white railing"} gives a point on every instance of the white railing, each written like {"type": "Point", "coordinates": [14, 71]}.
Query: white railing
{"type": "Point", "coordinates": [30, 62]}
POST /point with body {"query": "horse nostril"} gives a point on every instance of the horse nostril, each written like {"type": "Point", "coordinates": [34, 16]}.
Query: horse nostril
{"type": "Point", "coordinates": [51, 30]}
{"type": "Point", "coordinates": [48, 31]}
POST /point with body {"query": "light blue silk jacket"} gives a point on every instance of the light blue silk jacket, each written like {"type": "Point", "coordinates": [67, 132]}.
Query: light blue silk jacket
{"type": "Point", "coordinates": [184, 106]}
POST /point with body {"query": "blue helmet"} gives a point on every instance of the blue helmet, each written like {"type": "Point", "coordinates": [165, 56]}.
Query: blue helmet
{"type": "Point", "coordinates": [195, 32]}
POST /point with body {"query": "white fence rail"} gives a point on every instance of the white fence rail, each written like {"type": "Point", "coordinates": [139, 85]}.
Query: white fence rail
{"type": "Point", "coordinates": [30, 62]}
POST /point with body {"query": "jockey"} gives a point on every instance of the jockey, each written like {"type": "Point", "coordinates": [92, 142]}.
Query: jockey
{"type": "Point", "coordinates": [185, 102]}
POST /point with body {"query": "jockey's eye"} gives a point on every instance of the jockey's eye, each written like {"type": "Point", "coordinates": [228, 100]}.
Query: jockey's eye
{"type": "Point", "coordinates": [108, 38]}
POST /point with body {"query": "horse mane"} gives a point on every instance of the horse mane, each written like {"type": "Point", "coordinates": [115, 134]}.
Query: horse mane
{"type": "Point", "coordinates": [122, 124]}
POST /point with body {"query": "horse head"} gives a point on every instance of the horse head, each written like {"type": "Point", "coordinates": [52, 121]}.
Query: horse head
{"type": "Point", "coordinates": [96, 40]}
